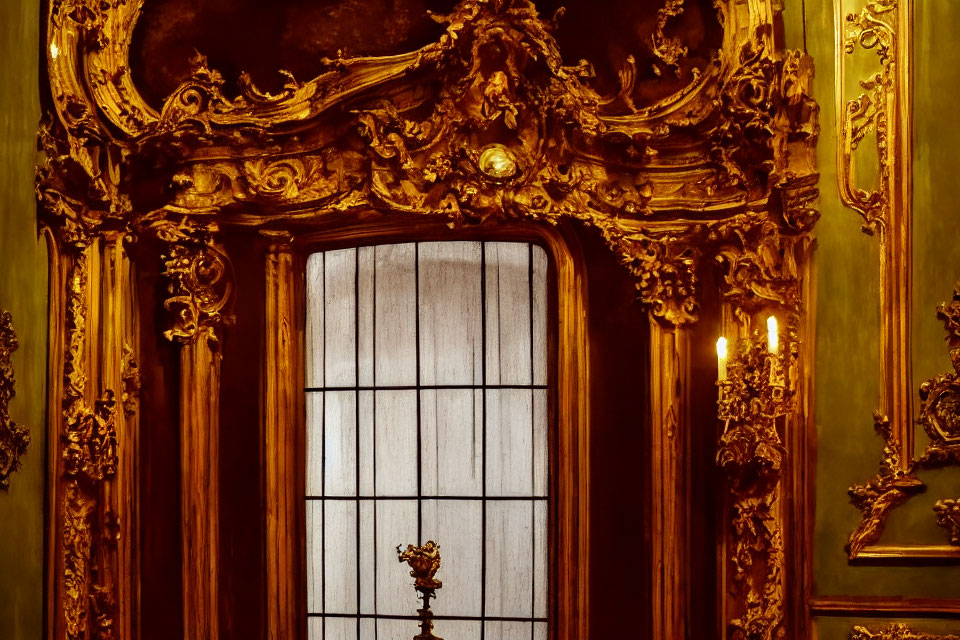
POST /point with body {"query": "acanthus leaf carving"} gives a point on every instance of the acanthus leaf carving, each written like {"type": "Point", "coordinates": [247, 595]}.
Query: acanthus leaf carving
{"type": "Point", "coordinates": [668, 50]}
{"type": "Point", "coordinates": [199, 280]}
{"type": "Point", "coordinates": [757, 390]}
{"type": "Point", "coordinates": [896, 631]}
{"type": "Point", "coordinates": [939, 416]}
{"type": "Point", "coordinates": [948, 519]}
{"type": "Point", "coordinates": [14, 439]}
{"type": "Point", "coordinates": [872, 28]}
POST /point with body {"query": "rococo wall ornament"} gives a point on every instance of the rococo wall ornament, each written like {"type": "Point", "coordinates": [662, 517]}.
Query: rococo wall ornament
{"type": "Point", "coordinates": [14, 439]}
{"type": "Point", "coordinates": [486, 125]}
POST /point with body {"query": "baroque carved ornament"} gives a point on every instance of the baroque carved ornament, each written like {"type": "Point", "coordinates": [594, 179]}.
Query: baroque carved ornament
{"type": "Point", "coordinates": [487, 124]}
{"type": "Point", "coordinates": [897, 480]}
{"type": "Point", "coordinates": [14, 439]}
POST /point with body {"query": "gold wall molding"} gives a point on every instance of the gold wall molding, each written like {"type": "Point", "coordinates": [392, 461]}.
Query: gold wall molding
{"type": "Point", "coordinates": [896, 631]}
{"type": "Point", "coordinates": [898, 478]}
{"type": "Point", "coordinates": [501, 132]}
{"type": "Point", "coordinates": [14, 439]}
{"type": "Point", "coordinates": [883, 26]}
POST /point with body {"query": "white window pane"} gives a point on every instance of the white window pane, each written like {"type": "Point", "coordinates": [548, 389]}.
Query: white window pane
{"type": "Point", "coordinates": [314, 518]}
{"type": "Point", "coordinates": [539, 315]}
{"type": "Point", "coordinates": [456, 525]}
{"type": "Point", "coordinates": [395, 318]}
{"type": "Point", "coordinates": [458, 629]}
{"type": "Point", "coordinates": [367, 562]}
{"type": "Point", "coordinates": [508, 313]}
{"type": "Point", "coordinates": [450, 324]}
{"type": "Point", "coordinates": [365, 431]}
{"type": "Point", "coordinates": [340, 629]}
{"type": "Point", "coordinates": [396, 525]}
{"type": "Point", "coordinates": [314, 443]}
{"type": "Point", "coordinates": [315, 628]}
{"type": "Point", "coordinates": [540, 559]}
{"type": "Point", "coordinates": [363, 321]}
{"type": "Point", "coordinates": [509, 591]}
{"type": "Point", "coordinates": [396, 433]}
{"type": "Point", "coordinates": [508, 630]}
{"type": "Point", "coordinates": [368, 628]}
{"type": "Point", "coordinates": [539, 631]}
{"type": "Point", "coordinates": [541, 444]}
{"type": "Point", "coordinates": [340, 451]}
{"type": "Point", "coordinates": [314, 325]}
{"type": "Point", "coordinates": [452, 442]}
{"type": "Point", "coordinates": [340, 557]}
{"type": "Point", "coordinates": [365, 310]}
{"type": "Point", "coordinates": [340, 318]}
{"type": "Point", "coordinates": [399, 629]}
{"type": "Point", "coordinates": [509, 442]}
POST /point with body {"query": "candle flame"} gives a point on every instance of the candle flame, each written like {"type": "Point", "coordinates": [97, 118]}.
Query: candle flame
{"type": "Point", "coordinates": [722, 348]}
{"type": "Point", "coordinates": [773, 337]}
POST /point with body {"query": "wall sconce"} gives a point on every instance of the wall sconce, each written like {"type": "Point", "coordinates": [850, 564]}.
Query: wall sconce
{"type": "Point", "coordinates": [757, 381]}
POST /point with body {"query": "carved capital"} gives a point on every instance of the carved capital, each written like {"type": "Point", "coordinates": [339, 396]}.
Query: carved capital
{"type": "Point", "coordinates": [200, 281]}
{"type": "Point", "coordinates": [14, 439]}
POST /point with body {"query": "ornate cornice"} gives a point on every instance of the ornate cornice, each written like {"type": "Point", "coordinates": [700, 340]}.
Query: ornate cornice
{"type": "Point", "coordinates": [739, 136]}
{"type": "Point", "coordinates": [14, 439]}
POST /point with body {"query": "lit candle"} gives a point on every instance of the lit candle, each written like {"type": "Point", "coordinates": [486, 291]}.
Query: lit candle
{"type": "Point", "coordinates": [722, 358]}
{"type": "Point", "coordinates": [773, 338]}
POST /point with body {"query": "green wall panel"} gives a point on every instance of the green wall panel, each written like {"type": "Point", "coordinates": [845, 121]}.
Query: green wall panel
{"type": "Point", "coordinates": [23, 292]}
{"type": "Point", "coordinates": [848, 330]}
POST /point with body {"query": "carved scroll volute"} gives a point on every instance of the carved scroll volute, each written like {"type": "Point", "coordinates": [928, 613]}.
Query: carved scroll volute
{"type": "Point", "coordinates": [874, 28]}
{"type": "Point", "coordinates": [14, 439]}
{"type": "Point", "coordinates": [199, 287]}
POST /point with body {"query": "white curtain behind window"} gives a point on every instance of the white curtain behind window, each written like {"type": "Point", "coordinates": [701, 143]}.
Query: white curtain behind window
{"type": "Point", "coordinates": [427, 419]}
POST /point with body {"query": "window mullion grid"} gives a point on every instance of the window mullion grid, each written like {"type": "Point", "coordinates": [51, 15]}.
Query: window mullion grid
{"type": "Point", "coordinates": [533, 448]}
{"type": "Point", "coordinates": [373, 412]}
{"type": "Point", "coordinates": [416, 324]}
{"type": "Point", "coordinates": [418, 387]}
{"type": "Point", "coordinates": [483, 436]}
{"type": "Point", "coordinates": [323, 464]}
{"type": "Point", "coordinates": [356, 406]}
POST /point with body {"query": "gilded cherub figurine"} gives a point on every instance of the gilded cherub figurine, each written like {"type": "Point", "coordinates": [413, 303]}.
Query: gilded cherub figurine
{"type": "Point", "coordinates": [424, 563]}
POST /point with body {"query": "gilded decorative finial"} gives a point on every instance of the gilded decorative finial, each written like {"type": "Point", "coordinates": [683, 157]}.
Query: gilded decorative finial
{"type": "Point", "coordinates": [424, 563]}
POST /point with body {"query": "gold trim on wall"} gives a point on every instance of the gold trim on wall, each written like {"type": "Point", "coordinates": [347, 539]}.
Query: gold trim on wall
{"type": "Point", "coordinates": [14, 439]}
{"type": "Point", "coordinates": [884, 26]}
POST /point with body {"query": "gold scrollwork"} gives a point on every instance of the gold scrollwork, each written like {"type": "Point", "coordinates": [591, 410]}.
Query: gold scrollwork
{"type": "Point", "coordinates": [939, 416]}
{"type": "Point", "coordinates": [896, 631]}
{"type": "Point", "coordinates": [948, 518]}
{"type": "Point", "coordinates": [873, 29]}
{"type": "Point", "coordinates": [200, 281]}
{"type": "Point", "coordinates": [668, 50]}
{"type": "Point", "coordinates": [14, 439]}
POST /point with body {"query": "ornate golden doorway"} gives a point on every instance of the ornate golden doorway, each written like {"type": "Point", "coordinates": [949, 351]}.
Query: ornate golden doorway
{"type": "Point", "coordinates": [178, 223]}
